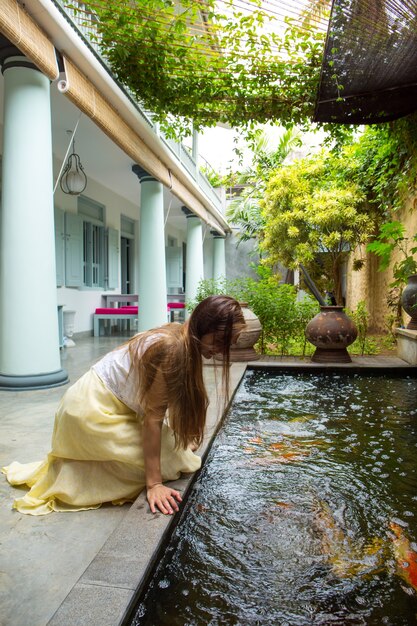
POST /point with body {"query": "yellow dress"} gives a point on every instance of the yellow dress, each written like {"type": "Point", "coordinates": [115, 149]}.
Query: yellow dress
{"type": "Point", "coordinates": [96, 457]}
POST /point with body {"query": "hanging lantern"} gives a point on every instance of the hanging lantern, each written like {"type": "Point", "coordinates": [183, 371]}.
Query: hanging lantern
{"type": "Point", "coordinates": [73, 180]}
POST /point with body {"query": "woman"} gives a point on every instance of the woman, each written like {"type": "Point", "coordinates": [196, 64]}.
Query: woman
{"type": "Point", "coordinates": [134, 419]}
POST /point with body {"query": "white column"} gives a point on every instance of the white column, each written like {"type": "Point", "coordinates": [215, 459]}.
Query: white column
{"type": "Point", "coordinates": [29, 340]}
{"type": "Point", "coordinates": [219, 256]}
{"type": "Point", "coordinates": [194, 257]}
{"type": "Point", "coordinates": [152, 270]}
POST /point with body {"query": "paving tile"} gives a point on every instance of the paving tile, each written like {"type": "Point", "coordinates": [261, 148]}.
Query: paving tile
{"type": "Point", "coordinates": [92, 605]}
{"type": "Point", "coordinates": [82, 568]}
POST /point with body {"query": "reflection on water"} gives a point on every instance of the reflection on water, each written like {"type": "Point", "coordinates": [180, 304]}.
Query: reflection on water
{"type": "Point", "coordinates": [304, 513]}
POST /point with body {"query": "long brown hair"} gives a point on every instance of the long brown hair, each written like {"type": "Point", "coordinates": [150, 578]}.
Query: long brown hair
{"type": "Point", "coordinates": [174, 350]}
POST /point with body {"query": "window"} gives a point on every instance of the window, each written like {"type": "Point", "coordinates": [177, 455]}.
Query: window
{"type": "Point", "coordinates": [174, 265]}
{"type": "Point", "coordinates": [92, 214]}
{"type": "Point", "coordinates": [127, 228]}
{"type": "Point", "coordinates": [93, 245]}
{"type": "Point", "coordinates": [87, 254]}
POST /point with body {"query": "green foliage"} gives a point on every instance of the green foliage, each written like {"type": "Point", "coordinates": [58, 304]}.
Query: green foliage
{"type": "Point", "coordinates": [267, 157]}
{"type": "Point", "coordinates": [210, 287]}
{"type": "Point", "coordinates": [361, 318]}
{"type": "Point", "coordinates": [387, 163]}
{"type": "Point", "coordinates": [215, 179]}
{"type": "Point", "coordinates": [314, 215]}
{"type": "Point", "coordinates": [368, 346]}
{"type": "Point", "coordinates": [282, 315]}
{"type": "Point", "coordinates": [364, 344]}
{"type": "Point", "coordinates": [391, 324]}
{"type": "Point", "coordinates": [297, 346]}
{"type": "Point", "coordinates": [204, 62]}
{"type": "Point", "coordinates": [275, 306]}
{"type": "Point", "coordinates": [245, 210]}
{"type": "Point", "coordinates": [392, 237]}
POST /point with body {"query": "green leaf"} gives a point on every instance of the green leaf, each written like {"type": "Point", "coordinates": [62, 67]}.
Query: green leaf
{"type": "Point", "coordinates": [217, 66]}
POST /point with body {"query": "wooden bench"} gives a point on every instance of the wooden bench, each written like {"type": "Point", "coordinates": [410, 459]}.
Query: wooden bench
{"type": "Point", "coordinates": [121, 314]}
{"type": "Point", "coordinates": [176, 309]}
{"type": "Point", "coordinates": [128, 313]}
{"type": "Point", "coordinates": [117, 300]}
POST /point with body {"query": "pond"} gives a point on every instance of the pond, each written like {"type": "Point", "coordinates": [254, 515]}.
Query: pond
{"type": "Point", "coordinates": [305, 511]}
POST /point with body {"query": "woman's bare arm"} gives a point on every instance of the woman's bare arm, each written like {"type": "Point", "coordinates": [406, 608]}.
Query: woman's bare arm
{"type": "Point", "coordinates": [159, 496]}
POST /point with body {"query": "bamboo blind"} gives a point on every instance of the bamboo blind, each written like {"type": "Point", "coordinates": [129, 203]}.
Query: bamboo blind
{"type": "Point", "coordinates": [22, 31]}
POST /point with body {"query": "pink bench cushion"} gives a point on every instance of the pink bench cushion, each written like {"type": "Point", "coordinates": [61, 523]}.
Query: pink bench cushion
{"type": "Point", "coordinates": [126, 310]}
{"type": "Point", "coordinates": [123, 310]}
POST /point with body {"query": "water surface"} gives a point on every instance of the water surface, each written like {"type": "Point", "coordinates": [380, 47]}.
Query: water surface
{"type": "Point", "coordinates": [292, 519]}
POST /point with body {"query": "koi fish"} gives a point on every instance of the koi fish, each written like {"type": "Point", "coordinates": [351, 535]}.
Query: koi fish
{"type": "Point", "coordinates": [301, 419]}
{"type": "Point", "coordinates": [288, 457]}
{"type": "Point", "coordinates": [346, 557]}
{"type": "Point", "coordinates": [304, 443]}
{"type": "Point", "coordinates": [303, 439]}
{"type": "Point", "coordinates": [257, 440]}
{"type": "Point", "coordinates": [276, 511]}
{"type": "Point", "coordinates": [277, 446]}
{"type": "Point", "coordinates": [283, 505]}
{"type": "Point", "coordinates": [405, 556]}
{"type": "Point", "coordinates": [286, 450]}
{"type": "Point", "coordinates": [201, 508]}
{"type": "Point", "coordinates": [295, 455]}
{"type": "Point", "coordinates": [295, 444]}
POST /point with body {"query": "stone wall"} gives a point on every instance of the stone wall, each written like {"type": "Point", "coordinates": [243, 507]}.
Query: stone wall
{"type": "Point", "coordinates": [239, 256]}
{"type": "Point", "coordinates": [371, 285]}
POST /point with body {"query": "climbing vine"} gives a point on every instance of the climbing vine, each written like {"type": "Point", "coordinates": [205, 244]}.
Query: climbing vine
{"type": "Point", "coordinates": [205, 62]}
{"type": "Point", "coordinates": [386, 155]}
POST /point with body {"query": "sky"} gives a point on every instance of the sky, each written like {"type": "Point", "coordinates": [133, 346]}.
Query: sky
{"type": "Point", "coordinates": [216, 146]}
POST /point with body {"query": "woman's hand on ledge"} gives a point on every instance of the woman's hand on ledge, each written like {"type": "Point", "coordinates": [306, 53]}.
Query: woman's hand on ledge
{"type": "Point", "coordinates": [163, 498]}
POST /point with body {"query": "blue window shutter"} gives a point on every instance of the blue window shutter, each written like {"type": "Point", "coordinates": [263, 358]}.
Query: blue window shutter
{"type": "Point", "coordinates": [59, 246]}
{"type": "Point", "coordinates": [173, 256]}
{"type": "Point", "coordinates": [73, 250]}
{"type": "Point", "coordinates": [112, 258]}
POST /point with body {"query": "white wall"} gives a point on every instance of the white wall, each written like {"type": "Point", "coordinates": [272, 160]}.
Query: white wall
{"type": "Point", "coordinates": [84, 301]}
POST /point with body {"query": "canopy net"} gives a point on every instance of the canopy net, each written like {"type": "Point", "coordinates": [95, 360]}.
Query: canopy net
{"type": "Point", "coordinates": [369, 70]}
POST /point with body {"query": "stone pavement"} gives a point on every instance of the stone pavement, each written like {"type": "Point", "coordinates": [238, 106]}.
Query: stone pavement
{"type": "Point", "coordinates": [73, 569]}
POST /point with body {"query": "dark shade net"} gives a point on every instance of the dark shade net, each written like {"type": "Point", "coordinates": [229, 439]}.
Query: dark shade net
{"type": "Point", "coordinates": [371, 51]}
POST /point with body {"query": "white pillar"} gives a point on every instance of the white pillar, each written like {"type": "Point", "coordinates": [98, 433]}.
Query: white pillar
{"type": "Point", "coordinates": [219, 256]}
{"type": "Point", "coordinates": [152, 270]}
{"type": "Point", "coordinates": [194, 257]}
{"type": "Point", "coordinates": [29, 335]}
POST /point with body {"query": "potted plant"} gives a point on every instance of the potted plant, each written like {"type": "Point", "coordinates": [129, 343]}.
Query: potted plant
{"type": "Point", "coordinates": [392, 237]}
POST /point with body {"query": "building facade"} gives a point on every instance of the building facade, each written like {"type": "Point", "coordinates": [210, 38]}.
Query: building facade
{"type": "Point", "coordinates": [147, 222]}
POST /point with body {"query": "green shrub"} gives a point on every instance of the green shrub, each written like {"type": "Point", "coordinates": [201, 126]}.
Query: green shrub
{"type": "Point", "coordinates": [361, 318]}
{"type": "Point", "coordinates": [283, 316]}
{"type": "Point", "coordinates": [367, 346]}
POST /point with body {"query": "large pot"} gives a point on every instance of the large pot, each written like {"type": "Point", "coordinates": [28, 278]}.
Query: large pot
{"type": "Point", "coordinates": [409, 301]}
{"type": "Point", "coordinates": [243, 349]}
{"type": "Point", "coordinates": [331, 331]}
